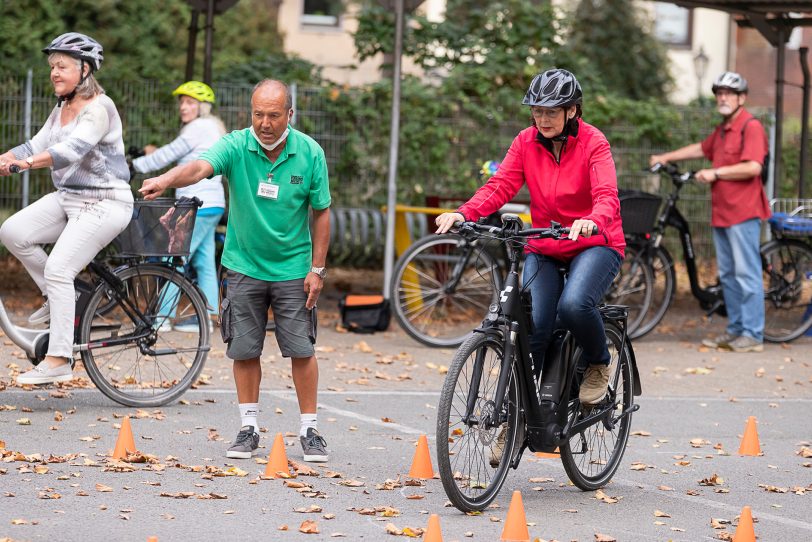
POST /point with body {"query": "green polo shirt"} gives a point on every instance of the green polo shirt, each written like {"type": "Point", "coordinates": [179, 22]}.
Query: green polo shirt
{"type": "Point", "coordinates": [268, 236]}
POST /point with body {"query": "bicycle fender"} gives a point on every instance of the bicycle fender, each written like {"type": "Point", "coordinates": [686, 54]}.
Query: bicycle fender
{"type": "Point", "coordinates": [493, 332]}
{"type": "Point", "coordinates": [638, 386]}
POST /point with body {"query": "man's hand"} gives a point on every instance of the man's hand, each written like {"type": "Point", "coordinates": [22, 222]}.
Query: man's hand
{"type": "Point", "coordinates": [706, 176]}
{"type": "Point", "coordinates": [581, 227]}
{"type": "Point", "coordinates": [656, 159]}
{"type": "Point", "coordinates": [446, 220]}
{"type": "Point", "coordinates": [149, 149]}
{"type": "Point", "coordinates": [312, 285]}
{"type": "Point", "coordinates": [152, 188]}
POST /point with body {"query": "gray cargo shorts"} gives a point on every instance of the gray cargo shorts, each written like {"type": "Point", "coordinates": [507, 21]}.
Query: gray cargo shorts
{"type": "Point", "coordinates": [244, 314]}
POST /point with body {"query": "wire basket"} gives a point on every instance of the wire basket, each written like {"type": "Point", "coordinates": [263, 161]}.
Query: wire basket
{"type": "Point", "coordinates": [638, 210]}
{"type": "Point", "coordinates": [160, 227]}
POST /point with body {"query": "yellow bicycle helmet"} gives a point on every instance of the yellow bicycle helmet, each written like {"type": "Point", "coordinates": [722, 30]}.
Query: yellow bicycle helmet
{"type": "Point", "coordinates": [197, 90]}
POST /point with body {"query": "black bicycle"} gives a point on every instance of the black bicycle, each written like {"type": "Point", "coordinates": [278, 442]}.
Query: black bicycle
{"type": "Point", "coordinates": [647, 280]}
{"type": "Point", "coordinates": [496, 403]}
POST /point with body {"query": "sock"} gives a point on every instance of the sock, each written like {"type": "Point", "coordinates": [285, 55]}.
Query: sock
{"type": "Point", "coordinates": [307, 421]}
{"type": "Point", "coordinates": [248, 414]}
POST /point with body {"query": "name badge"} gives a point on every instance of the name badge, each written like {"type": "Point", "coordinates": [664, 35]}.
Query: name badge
{"type": "Point", "coordinates": [268, 190]}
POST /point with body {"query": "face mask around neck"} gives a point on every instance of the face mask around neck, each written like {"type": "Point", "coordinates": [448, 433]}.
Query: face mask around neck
{"type": "Point", "coordinates": [274, 145]}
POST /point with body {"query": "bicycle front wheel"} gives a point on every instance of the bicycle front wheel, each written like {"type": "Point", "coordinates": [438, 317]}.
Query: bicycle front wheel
{"type": "Point", "coordinates": [593, 449]}
{"type": "Point", "coordinates": [125, 348]}
{"type": "Point", "coordinates": [442, 288]}
{"type": "Point", "coordinates": [473, 454]}
{"type": "Point", "coordinates": [787, 274]}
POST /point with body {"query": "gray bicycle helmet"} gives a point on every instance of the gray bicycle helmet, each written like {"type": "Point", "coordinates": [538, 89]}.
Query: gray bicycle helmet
{"type": "Point", "coordinates": [732, 81]}
{"type": "Point", "coordinates": [79, 46]}
{"type": "Point", "coordinates": [554, 88]}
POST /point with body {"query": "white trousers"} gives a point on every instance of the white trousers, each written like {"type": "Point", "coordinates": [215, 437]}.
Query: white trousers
{"type": "Point", "coordinates": [79, 228]}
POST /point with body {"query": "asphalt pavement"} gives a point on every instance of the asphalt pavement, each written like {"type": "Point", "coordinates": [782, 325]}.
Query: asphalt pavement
{"type": "Point", "coordinates": [681, 478]}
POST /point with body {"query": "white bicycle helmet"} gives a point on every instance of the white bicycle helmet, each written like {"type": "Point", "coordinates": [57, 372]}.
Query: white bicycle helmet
{"type": "Point", "coordinates": [732, 81]}
{"type": "Point", "coordinates": [79, 46]}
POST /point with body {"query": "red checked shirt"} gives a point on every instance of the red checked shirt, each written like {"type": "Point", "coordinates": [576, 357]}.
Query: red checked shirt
{"type": "Point", "coordinates": [582, 185]}
{"type": "Point", "coordinates": [733, 202]}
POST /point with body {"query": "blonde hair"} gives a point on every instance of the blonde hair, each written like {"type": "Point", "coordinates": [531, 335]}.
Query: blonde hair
{"type": "Point", "coordinates": [89, 88]}
{"type": "Point", "coordinates": [205, 113]}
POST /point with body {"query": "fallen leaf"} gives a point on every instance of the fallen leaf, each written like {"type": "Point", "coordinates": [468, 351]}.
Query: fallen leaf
{"type": "Point", "coordinates": [103, 488]}
{"type": "Point", "coordinates": [309, 526]}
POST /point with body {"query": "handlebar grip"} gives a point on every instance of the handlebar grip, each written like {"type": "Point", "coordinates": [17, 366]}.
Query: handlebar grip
{"type": "Point", "coordinates": [14, 168]}
{"type": "Point", "coordinates": [595, 230]}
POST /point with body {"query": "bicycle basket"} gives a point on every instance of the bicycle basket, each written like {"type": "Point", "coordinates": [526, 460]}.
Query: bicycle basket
{"type": "Point", "coordinates": [161, 227]}
{"type": "Point", "coordinates": [792, 225]}
{"type": "Point", "coordinates": [638, 210]}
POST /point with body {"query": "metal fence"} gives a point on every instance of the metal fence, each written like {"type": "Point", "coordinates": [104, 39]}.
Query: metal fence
{"type": "Point", "coordinates": [149, 115]}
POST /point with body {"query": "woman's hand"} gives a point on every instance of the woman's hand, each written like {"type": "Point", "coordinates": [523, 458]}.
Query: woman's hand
{"type": "Point", "coordinates": [581, 227]}
{"type": "Point", "coordinates": [149, 149]}
{"type": "Point", "coordinates": [7, 160]}
{"type": "Point", "coordinates": [446, 220]}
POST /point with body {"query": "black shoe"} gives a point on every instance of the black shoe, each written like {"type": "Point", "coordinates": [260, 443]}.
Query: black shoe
{"type": "Point", "coordinates": [244, 445]}
{"type": "Point", "coordinates": [314, 447]}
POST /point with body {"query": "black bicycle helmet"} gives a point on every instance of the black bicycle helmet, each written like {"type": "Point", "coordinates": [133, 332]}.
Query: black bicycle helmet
{"type": "Point", "coordinates": [79, 46]}
{"type": "Point", "coordinates": [554, 88]}
{"type": "Point", "coordinates": [732, 81]}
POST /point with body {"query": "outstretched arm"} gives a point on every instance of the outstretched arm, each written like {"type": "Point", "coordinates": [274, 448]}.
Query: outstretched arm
{"type": "Point", "coordinates": [689, 152]}
{"type": "Point", "coordinates": [177, 177]}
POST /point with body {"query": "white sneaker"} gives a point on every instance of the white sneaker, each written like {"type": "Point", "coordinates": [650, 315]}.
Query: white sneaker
{"type": "Point", "coordinates": [41, 315]}
{"type": "Point", "coordinates": [43, 374]}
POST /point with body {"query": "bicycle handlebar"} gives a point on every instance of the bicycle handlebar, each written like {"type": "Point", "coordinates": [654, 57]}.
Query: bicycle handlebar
{"type": "Point", "coordinates": [555, 231]}
{"type": "Point", "coordinates": [672, 171]}
{"type": "Point", "coordinates": [14, 168]}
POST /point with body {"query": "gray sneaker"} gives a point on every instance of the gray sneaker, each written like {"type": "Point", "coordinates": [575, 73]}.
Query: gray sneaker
{"type": "Point", "coordinates": [42, 374]}
{"type": "Point", "coordinates": [720, 341]}
{"type": "Point", "coordinates": [41, 315]}
{"type": "Point", "coordinates": [746, 344]}
{"type": "Point", "coordinates": [594, 384]}
{"type": "Point", "coordinates": [244, 445]}
{"type": "Point", "coordinates": [314, 447]}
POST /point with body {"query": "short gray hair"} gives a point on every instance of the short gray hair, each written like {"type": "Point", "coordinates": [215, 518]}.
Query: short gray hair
{"type": "Point", "coordinates": [288, 95]}
{"type": "Point", "coordinates": [89, 88]}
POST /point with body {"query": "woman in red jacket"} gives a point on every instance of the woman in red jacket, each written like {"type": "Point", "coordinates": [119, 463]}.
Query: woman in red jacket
{"type": "Point", "coordinates": [568, 169]}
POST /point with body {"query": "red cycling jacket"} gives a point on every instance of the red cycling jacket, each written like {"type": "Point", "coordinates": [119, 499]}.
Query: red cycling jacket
{"type": "Point", "coordinates": [582, 185]}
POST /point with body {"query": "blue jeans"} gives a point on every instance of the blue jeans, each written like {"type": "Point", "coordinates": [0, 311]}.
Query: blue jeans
{"type": "Point", "coordinates": [572, 304]}
{"type": "Point", "coordinates": [739, 260]}
{"type": "Point", "coordinates": [201, 257]}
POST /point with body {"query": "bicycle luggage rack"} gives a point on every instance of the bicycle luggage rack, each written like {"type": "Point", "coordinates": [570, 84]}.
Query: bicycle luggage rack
{"type": "Point", "coordinates": [791, 217]}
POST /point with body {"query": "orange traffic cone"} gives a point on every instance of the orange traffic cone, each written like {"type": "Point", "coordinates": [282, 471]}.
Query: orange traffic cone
{"type": "Point", "coordinates": [278, 460]}
{"type": "Point", "coordinates": [125, 442]}
{"type": "Point", "coordinates": [516, 523]}
{"type": "Point", "coordinates": [152, 539]}
{"type": "Point", "coordinates": [433, 532]}
{"type": "Point", "coordinates": [744, 531]}
{"type": "Point", "coordinates": [421, 464]}
{"type": "Point", "coordinates": [750, 445]}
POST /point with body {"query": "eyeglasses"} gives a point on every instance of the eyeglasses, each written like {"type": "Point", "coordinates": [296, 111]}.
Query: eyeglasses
{"type": "Point", "coordinates": [545, 112]}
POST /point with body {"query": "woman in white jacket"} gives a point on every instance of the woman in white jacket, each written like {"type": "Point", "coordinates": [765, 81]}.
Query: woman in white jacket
{"type": "Point", "coordinates": [81, 142]}
{"type": "Point", "coordinates": [200, 131]}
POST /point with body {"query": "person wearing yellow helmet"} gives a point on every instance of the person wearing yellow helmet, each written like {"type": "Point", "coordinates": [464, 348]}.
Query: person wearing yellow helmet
{"type": "Point", "coordinates": [201, 129]}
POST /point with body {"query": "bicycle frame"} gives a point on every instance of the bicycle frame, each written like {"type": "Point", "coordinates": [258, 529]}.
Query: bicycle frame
{"type": "Point", "coordinates": [710, 297]}
{"type": "Point", "coordinates": [34, 341]}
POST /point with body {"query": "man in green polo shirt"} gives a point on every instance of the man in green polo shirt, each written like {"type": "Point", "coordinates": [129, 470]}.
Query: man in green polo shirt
{"type": "Point", "coordinates": [275, 175]}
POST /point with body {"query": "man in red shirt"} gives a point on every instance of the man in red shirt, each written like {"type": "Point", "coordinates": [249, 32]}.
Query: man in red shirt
{"type": "Point", "coordinates": [736, 149]}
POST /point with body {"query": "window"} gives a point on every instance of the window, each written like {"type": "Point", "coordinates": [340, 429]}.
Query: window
{"type": "Point", "coordinates": [672, 24]}
{"type": "Point", "coordinates": [321, 12]}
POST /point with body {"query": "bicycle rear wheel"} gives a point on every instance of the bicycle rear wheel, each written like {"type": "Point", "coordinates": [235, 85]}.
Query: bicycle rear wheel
{"type": "Point", "coordinates": [787, 274]}
{"type": "Point", "coordinates": [592, 453]}
{"type": "Point", "coordinates": [663, 288]}
{"type": "Point", "coordinates": [465, 450]}
{"type": "Point", "coordinates": [129, 358]}
{"type": "Point", "coordinates": [633, 287]}
{"type": "Point", "coordinates": [442, 288]}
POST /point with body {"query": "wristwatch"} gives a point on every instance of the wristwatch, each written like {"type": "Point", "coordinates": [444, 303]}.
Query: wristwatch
{"type": "Point", "coordinates": [30, 162]}
{"type": "Point", "coordinates": [320, 271]}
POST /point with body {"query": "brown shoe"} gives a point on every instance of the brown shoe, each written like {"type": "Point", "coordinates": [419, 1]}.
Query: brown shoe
{"type": "Point", "coordinates": [746, 344]}
{"type": "Point", "coordinates": [594, 384]}
{"type": "Point", "coordinates": [720, 341]}
{"type": "Point", "coordinates": [499, 447]}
